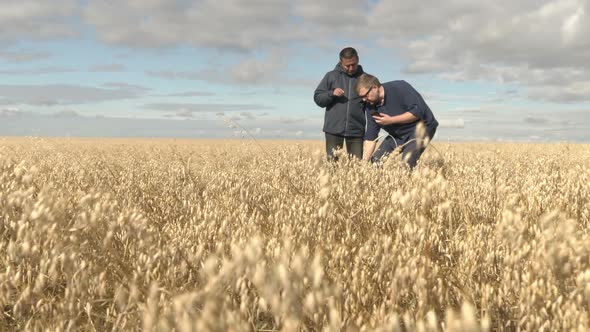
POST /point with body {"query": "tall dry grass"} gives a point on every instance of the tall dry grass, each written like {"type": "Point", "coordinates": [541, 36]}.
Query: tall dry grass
{"type": "Point", "coordinates": [160, 235]}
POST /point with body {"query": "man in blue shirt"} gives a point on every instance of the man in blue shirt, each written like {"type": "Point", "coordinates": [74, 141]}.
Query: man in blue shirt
{"type": "Point", "coordinates": [402, 112]}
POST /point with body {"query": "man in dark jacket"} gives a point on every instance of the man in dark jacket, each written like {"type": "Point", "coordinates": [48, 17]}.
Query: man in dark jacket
{"type": "Point", "coordinates": [344, 119]}
{"type": "Point", "coordinates": [402, 112]}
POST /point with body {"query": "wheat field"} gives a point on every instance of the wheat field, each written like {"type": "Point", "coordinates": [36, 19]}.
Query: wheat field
{"type": "Point", "coordinates": [244, 235]}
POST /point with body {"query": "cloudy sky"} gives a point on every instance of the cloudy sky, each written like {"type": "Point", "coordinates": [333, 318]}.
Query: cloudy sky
{"type": "Point", "coordinates": [494, 70]}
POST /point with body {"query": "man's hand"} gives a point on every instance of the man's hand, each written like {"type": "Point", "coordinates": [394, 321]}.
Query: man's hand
{"type": "Point", "coordinates": [383, 119]}
{"type": "Point", "coordinates": [338, 92]}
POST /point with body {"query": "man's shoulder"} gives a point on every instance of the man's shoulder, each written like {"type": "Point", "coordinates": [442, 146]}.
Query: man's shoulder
{"type": "Point", "coordinates": [396, 83]}
{"type": "Point", "coordinates": [333, 73]}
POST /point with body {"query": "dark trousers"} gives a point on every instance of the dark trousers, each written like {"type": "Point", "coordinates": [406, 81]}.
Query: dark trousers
{"type": "Point", "coordinates": [410, 152]}
{"type": "Point", "coordinates": [354, 146]}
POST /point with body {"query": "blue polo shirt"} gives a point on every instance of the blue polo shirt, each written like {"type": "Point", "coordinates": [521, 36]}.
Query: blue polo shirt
{"type": "Point", "coordinates": [400, 97]}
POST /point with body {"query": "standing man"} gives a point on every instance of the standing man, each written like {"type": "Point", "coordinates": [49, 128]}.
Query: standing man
{"type": "Point", "coordinates": [401, 111]}
{"type": "Point", "coordinates": [344, 120]}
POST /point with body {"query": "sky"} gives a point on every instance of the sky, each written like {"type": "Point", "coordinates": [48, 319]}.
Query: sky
{"type": "Point", "coordinates": [490, 71]}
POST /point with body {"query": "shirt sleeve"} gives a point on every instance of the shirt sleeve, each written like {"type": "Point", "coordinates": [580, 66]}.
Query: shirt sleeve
{"type": "Point", "coordinates": [411, 101]}
{"type": "Point", "coordinates": [371, 127]}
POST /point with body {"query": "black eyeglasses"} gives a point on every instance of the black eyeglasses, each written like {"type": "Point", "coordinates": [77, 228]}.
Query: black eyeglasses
{"type": "Point", "coordinates": [366, 94]}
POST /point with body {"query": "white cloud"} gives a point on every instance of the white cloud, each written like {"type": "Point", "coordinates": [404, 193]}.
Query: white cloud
{"type": "Point", "coordinates": [107, 68]}
{"type": "Point", "coordinates": [256, 71]}
{"type": "Point", "coordinates": [62, 94]}
{"type": "Point", "coordinates": [346, 17]}
{"type": "Point", "coordinates": [37, 71]}
{"type": "Point", "coordinates": [226, 24]}
{"type": "Point", "coordinates": [248, 115]}
{"type": "Point", "coordinates": [184, 113]}
{"type": "Point", "coordinates": [125, 86]}
{"type": "Point", "coordinates": [183, 75]}
{"type": "Point", "coordinates": [539, 44]}
{"type": "Point", "coordinates": [573, 26]}
{"type": "Point", "coordinates": [456, 123]}
{"type": "Point", "coordinates": [191, 94]}
{"type": "Point", "coordinates": [206, 107]}
{"type": "Point", "coordinates": [23, 56]}
{"type": "Point", "coordinates": [37, 19]}
{"type": "Point", "coordinates": [535, 120]}
{"type": "Point", "coordinates": [568, 93]}
{"type": "Point", "coordinates": [248, 70]}
{"type": "Point", "coordinates": [291, 120]}
{"type": "Point", "coordinates": [10, 111]}
{"type": "Point", "coordinates": [66, 114]}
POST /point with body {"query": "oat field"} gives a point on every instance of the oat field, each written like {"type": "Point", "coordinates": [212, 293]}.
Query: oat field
{"type": "Point", "coordinates": [244, 235]}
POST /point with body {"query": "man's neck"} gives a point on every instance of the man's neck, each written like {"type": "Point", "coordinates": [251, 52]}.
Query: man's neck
{"type": "Point", "coordinates": [382, 95]}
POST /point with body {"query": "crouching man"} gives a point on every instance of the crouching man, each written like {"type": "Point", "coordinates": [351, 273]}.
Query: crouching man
{"type": "Point", "coordinates": [402, 112]}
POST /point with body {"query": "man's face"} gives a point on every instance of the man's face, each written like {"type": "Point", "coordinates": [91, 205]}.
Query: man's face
{"type": "Point", "coordinates": [350, 65]}
{"type": "Point", "coordinates": [370, 95]}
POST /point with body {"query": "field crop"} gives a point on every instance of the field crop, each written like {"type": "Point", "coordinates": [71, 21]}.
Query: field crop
{"type": "Point", "coordinates": [180, 235]}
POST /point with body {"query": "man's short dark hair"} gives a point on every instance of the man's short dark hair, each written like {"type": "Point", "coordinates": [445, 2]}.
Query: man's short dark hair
{"type": "Point", "coordinates": [348, 53]}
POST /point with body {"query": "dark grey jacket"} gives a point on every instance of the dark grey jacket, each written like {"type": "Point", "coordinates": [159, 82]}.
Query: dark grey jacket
{"type": "Point", "coordinates": [344, 115]}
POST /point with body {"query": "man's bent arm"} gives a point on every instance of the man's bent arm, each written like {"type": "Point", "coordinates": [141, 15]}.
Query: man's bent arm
{"type": "Point", "coordinates": [406, 117]}
{"type": "Point", "coordinates": [368, 149]}
{"type": "Point", "coordinates": [403, 118]}
{"type": "Point", "coordinates": [323, 95]}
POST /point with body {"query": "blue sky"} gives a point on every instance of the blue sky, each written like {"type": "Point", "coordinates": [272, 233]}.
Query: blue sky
{"type": "Point", "coordinates": [502, 70]}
